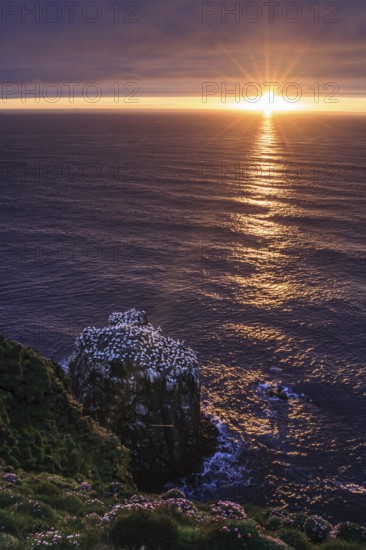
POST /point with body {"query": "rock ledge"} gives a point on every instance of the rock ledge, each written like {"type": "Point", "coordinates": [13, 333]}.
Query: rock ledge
{"type": "Point", "coordinates": [143, 386]}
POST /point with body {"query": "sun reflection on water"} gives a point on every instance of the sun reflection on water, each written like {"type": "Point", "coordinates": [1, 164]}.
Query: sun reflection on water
{"type": "Point", "coordinates": [267, 190]}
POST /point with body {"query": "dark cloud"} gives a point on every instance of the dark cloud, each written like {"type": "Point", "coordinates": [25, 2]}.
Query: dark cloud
{"type": "Point", "coordinates": [168, 48]}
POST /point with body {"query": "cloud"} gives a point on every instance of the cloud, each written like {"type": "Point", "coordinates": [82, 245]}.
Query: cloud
{"type": "Point", "coordinates": [170, 48]}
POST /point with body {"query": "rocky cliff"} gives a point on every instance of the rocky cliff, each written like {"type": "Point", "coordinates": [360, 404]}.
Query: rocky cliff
{"type": "Point", "coordinates": [145, 388]}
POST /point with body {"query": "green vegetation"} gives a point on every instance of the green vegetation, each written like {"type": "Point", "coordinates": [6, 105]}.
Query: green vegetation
{"type": "Point", "coordinates": [296, 539]}
{"type": "Point", "coordinates": [41, 509]}
{"type": "Point", "coordinates": [42, 428]}
{"type": "Point", "coordinates": [352, 532]}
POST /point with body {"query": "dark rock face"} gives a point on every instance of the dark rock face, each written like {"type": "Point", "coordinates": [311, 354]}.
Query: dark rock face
{"type": "Point", "coordinates": [145, 388]}
{"type": "Point", "coordinates": [42, 428]}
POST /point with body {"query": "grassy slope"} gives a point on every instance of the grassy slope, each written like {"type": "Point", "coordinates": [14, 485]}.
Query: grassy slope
{"type": "Point", "coordinates": [104, 517]}
{"type": "Point", "coordinates": [42, 428]}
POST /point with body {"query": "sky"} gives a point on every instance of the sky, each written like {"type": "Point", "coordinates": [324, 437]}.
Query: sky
{"type": "Point", "coordinates": [182, 53]}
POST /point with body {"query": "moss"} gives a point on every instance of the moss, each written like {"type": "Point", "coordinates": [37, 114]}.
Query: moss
{"type": "Point", "coordinates": [342, 545]}
{"type": "Point", "coordinates": [144, 528]}
{"type": "Point", "coordinates": [189, 538]}
{"type": "Point", "coordinates": [351, 532]}
{"type": "Point", "coordinates": [36, 509]}
{"type": "Point", "coordinates": [43, 428]}
{"type": "Point", "coordinates": [9, 522]}
{"type": "Point", "coordinates": [68, 503]}
{"type": "Point", "coordinates": [47, 489]}
{"type": "Point", "coordinates": [234, 535]}
{"type": "Point", "coordinates": [9, 542]}
{"type": "Point", "coordinates": [256, 513]}
{"type": "Point", "coordinates": [7, 499]}
{"type": "Point", "coordinates": [295, 539]}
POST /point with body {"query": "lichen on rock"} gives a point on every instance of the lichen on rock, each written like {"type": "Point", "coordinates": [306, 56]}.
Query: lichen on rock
{"type": "Point", "coordinates": [143, 386]}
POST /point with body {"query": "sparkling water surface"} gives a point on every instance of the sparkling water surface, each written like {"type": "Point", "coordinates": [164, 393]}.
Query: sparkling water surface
{"type": "Point", "coordinates": [243, 235]}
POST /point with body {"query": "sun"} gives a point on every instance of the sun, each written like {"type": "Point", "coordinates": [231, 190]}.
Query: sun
{"type": "Point", "coordinates": [267, 104]}
{"type": "Point", "coordinates": [270, 103]}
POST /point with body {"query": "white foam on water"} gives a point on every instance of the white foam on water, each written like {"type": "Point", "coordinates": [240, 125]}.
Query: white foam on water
{"type": "Point", "coordinates": [222, 470]}
{"type": "Point", "coordinates": [64, 362]}
{"type": "Point", "coordinates": [264, 387]}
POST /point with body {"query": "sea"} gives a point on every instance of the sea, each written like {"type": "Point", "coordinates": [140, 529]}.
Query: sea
{"type": "Point", "coordinates": [243, 235]}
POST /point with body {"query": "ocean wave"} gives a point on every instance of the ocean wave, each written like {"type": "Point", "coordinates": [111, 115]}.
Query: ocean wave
{"type": "Point", "coordinates": [223, 473]}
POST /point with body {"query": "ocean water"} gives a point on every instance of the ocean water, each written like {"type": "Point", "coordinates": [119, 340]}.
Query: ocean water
{"type": "Point", "coordinates": [245, 236]}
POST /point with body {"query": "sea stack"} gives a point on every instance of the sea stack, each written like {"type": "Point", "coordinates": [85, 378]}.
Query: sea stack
{"type": "Point", "coordinates": [143, 386]}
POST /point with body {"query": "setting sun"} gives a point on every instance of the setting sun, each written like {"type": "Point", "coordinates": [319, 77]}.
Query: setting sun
{"type": "Point", "coordinates": [270, 103]}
